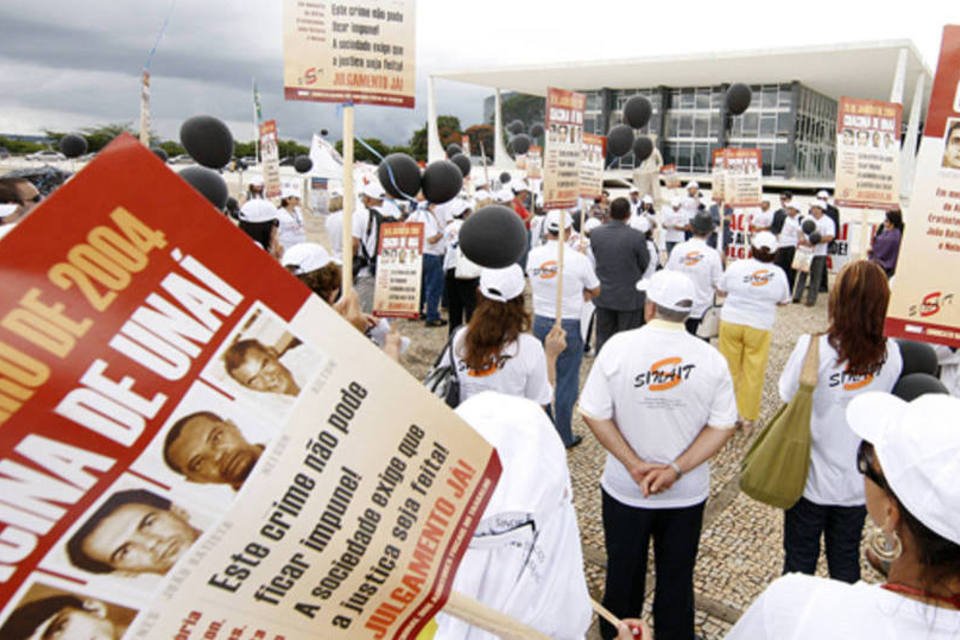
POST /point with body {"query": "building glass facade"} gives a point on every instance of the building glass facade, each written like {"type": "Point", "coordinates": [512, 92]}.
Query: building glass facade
{"type": "Point", "coordinates": [792, 125]}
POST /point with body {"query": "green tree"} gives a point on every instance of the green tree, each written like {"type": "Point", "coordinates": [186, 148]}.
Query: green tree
{"type": "Point", "coordinates": [21, 146]}
{"type": "Point", "coordinates": [172, 148]}
{"type": "Point", "coordinates": [97, 136]}
{"type": "Point", "coordinates": [291, 148]}
{"type": "Point", "coordinates": [361, 153]}
{"type": "Point", "coordinates": [448, 127]}
{"type": "Point", "coordinates": [526, 108]}
{"type": "Point", "coordinates": [481, 133]}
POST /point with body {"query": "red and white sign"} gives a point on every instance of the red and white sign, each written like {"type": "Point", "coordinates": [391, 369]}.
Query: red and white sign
{"type": "Point", "coordinates": [868, 154]}
{"type": "Point", "coordinates": [564, 140]}
{"type": "Point", "coordinates": [399, 270]}
{"type": "Point", "coordinates": [270, 159]}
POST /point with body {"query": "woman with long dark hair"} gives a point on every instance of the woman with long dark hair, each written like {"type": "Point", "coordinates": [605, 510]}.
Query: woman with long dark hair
{"type": "Point", "coordinates": [886, 245]}
{"type": "Point", "coordinates": [258, 219]}
{"type": "Point", "coordinates": [854, 358]}
{"type": "Point", "coordinates": [495, 351]}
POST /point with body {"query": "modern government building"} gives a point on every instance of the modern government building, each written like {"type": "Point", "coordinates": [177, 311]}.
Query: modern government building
{"type": "Point", "coordinates": [791, 118]}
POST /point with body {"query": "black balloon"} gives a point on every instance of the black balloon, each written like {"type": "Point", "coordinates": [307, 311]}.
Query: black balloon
{"type": "Point", "coordinates": [402, 179]}
{"type": "Point", "coordinates": [536, 130]}
{"type": "Point", "coordinates": [493, 237]}
{"type": "Point", "coordinates": [620, 140]}
{"type": "Point", "coordinates": [463, 162]}
{"type": "Point", "coordinates": [323, 132]}
{"type": "Point", "coordinates": [520, 143]}
{"type": "Point", "coordinates": [815, 237]}
{"type": "Point", "coordinates": [453, 149]}
{"type": "Point", "coordinates": [207, 140]}
{"type": "Point", "coordinates": [738, 98]}
{"type": "Point", "coordinates": [73, 145]}
{"type": "Point", "coordinates": [808, 226]}
{"type": "Point", "coordinates": [913, 385]}
{"type": "Point", "coordinates": [516, 127]}
{"type": "Point", "coordinates": [442, 181]}
{"type": "Point", "coordinates": [642, 148]}
{"type": "Point", "coordinates": [918, 357]}
{"type": "Point", "coordinates": [160, 153]}
{"type": "Point", "coordinates": [505, 177]}
{"type": "Point", "coordinates": [209, 183]}
{"type": "Point", "coordinates": [302, 164]}
{"type": "Point", "coordinates": [636, 112]}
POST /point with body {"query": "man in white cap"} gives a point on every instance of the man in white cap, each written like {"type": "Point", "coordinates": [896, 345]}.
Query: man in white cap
{"type": "Point", "coordinates": [366, 238]}
{"type": "Point", "coordinates": [579, 282]}
{"type": "Point", "coordinates": [823, 235]}
{"type": "Point", "coordinates": [674, 224]}
{"type": "Point", "coordinates": [690, 204]}
{"type": "Point", "coordinates": [702, 264]}
{"type": "Point", "coordinates": [635, 201]}
{"type": "Point", "coordinates": [661, 403]}
{"type": "Point", "coordinates": [834, 214]}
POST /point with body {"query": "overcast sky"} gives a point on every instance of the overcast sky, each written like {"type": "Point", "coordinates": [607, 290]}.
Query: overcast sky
{"type": "Point", "coordinates": [68, 64]}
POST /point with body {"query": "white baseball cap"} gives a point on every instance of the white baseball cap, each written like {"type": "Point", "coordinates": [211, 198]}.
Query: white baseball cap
{"type": "Point", "coordinates": [764, 240]}
{"type": "Point", "coordinates": [553, 221]}
{"type": "Point", "coordinates": [640, 223]}
{"type": "Point", "coordinates": [675, 203]}
{"type": "Point", "coordinates": [458, 207]}
{"type": "Point", "coordinates": [634, 190]}
{"type": "Point", "coordinates": [818, 204]}
{"type": "Point", "coordinates": [502, 285]}
{"type": "Point", "coordinates": [306, 257]}
{"type": "Point", "coordinates": [693, 184]}
{"type": "Point", "coordinates": [256, 181]}
{"type": "Point", "coordinates": [918, 446]}
{"type": "Point", "coordinates": [519, 185]}
{"type": "Point", "coordinates": [504, 195]}
{"type": "Point", "coordinates": [647, 199]}
{"type": "Point", "coordinates": [822, 195]}
{"type": "Point", "coordinates": [373, 189]}
{"type": "Point", "coordinates": [591, 224]}
{"type": "Point", "coordinates": [670, 289]}
{"type": "Point", "coordinates": [290, 193]}
{"type": "Point", "coordinates": [258, 210]}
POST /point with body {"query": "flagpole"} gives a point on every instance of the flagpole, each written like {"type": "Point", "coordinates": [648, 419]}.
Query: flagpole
{"type": "Point", "coordinates": [256, 123]}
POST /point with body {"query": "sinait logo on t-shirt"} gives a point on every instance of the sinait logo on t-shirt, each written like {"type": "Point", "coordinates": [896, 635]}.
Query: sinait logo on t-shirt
{"type": "Point", "coordinates": [546, 271]}
{"type": "Point", "coordinates": [692, 258]}
{"type": "Point", "coordinates": [758, 278]}
{"type": "Point", "coordinates": [488, 370]}
{"type": "Point", "coordinates": [850, 381]}
{"type": "Point", "coordinates": [664, 374]}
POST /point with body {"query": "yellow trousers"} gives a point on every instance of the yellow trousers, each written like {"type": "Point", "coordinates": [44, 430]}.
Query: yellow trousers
{"type": "Point", "coordinates": [746, 350]}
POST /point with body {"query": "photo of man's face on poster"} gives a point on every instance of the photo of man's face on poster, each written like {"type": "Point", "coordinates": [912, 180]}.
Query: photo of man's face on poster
{"type": "Point", "coordinates": [951, 145]}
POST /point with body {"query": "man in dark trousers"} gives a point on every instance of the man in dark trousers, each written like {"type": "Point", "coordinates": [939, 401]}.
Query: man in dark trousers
{"type": "Point", "coordinates": [621, 258]}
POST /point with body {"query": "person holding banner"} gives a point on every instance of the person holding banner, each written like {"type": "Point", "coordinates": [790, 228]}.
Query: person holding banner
{"type": "Point", "coordinates": [824, 234]}
{"type": "Point", "coordinates": [366, 241]}
{"type": "Point", "coordinates": [434, 249]}
{"type": "Point", "coordinates": [674, 224]}
{"type": "Point", "coordinates": [854, 358]}
{"type": "Point", "coordinates": [461, 275]}
{"type": "Point", "coordinates": [661, 403]}
{"type": "Point", "coordinates": [579, 282]}
{"type": "Point", "coordinates": [290, 217]}
{"type": "Point", "coordinates": [702, 264]}
{"type": "Point", "coordinates": [754, 287]}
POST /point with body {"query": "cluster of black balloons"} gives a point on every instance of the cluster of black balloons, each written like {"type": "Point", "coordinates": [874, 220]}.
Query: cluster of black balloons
{"type": "Point", "coordinates": [456, 155]}
{"type": "Point", "coordinates": [440, 182]}
{"type": "Point", "coordinates": [809, 227]}
{"type": "Point", "coordinates": [621, 139]}
{"type": "Point", "coordinates": [521, 139]}
{"type": "Point", "coordinates": [919, 373]}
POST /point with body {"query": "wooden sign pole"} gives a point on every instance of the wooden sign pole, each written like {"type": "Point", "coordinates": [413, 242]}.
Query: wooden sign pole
{"type": "Point", "coordinates": [561, 239]}
{"type": "Point", "coordinates": [346, 282]}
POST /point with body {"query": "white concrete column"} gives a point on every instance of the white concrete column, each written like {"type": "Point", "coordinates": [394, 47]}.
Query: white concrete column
{"type": "Point", "coordinates": [899, 78]}
{"type": "Point", "coordinates": [501, 157]}
{"type": "Point", "coordinates": [908, 154]}
{"type": "Point", "coordinates": [434, 148]}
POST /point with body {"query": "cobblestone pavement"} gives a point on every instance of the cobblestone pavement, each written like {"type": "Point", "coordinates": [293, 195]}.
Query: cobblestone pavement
{"type": "Point", "coordinates": [741, 544]}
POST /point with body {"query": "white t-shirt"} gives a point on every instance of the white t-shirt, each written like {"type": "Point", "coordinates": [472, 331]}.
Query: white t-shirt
{"type": "Point", "coordinates": [801, 607]}
{"type": "Point", "coordinates": [433, 223]}
{"type": "Point", "coordinates": [291, 229]}
{"type": "Point", "coordinates": [790, 232]}
{"type": "Point", "coordinates": [577, 276]}
{"type": "Point", "coordinates": [753, 290]}
{"type": "Point", "coordinates": [762, 219]}
{"type": "Point", "coordinates": [673, 218]}
{"type": "Point", "coordinates": [689, 206]}
{"type": "Point", "coordinates": [654, 261]}
{"type": "Point", "coordinates": [334, 226]}
{"type": "Point", "coordinates": [833, 478]}
{"type": "Point", "coordinates": [451, 239]}
{"type": "Point", "coordinates": [949, 361]}
{"type": "Point", "coordinates": [702, 263]}
{"type": "Point", "coordinates": [826, 228]}
{"type": "Point", "coordinates": [521, 371]}
{"type": "Point", "coordinates": [366, 235]}
{"type": "Point", "coordinates": [661, 386]}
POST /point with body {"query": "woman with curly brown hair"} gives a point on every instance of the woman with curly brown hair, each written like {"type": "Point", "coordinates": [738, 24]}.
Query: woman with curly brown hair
{"type": "Point", "coordinates": [495, 352]}
{"type": "Point", "coordinates": [854, 358]}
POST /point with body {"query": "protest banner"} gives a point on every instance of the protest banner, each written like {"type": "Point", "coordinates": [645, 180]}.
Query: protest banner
{"type": "Point", "coordinates": [739, 246]}
{"type": "Point", "coordinates": [591, 165]}
{"type": "Point", "coordinates": [361, 53]}
{"type": "Point", "coordinates": [868, 154]}
{"type": "Point", "coordinates": [925, 301]}
{"type": "Point", "coordinates": [330, 499]}
{"type": "Point", "coordinates": [564, 139]}
{"type": "Point", "coordinates": [399, 270]}
{"type": "Point", "coordinates": [742, 176]}
{"type": "Point", "coordinates": [534, 163]}
{"type": "Point", "coordinates": [270, 158]}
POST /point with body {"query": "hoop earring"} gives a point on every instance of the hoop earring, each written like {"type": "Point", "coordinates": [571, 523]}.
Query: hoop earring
{"type": "Point", "coordinates": [886, 546]}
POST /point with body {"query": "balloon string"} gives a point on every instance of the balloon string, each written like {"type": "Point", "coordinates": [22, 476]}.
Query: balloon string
{"type": "Point", "coordinates": [393, 180]}
{"type": "Point", "coordinates": [163, 29]}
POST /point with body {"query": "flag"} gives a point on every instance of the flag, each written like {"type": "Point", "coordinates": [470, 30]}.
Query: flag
{"type": "Point", "coordinates": [256, 102]}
